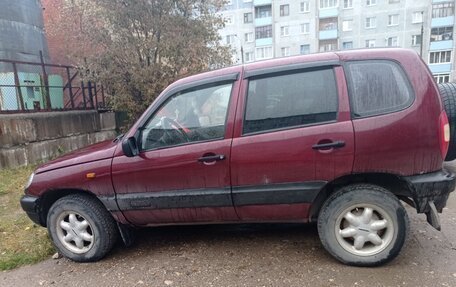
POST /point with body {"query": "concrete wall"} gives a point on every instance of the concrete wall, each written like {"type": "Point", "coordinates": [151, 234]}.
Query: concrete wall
{"type": "Point", "coordinates": [34, 138]}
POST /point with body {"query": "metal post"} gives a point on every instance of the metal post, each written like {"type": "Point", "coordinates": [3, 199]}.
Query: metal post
{"type": "Point", "coordinates": [70, 88]}
{"type": "Point", "coordinates": [103, 96]}
{"type": "Point", "coordinates": [46, 83]}
{"type": "Point", "coordinates": [89, 87]}
{"type": "Point", "coordinates": [83, 94]}
{"type": "Point", "coordinates": [19, 97]}
{"type": "Point", "coordinates": [96, 94]}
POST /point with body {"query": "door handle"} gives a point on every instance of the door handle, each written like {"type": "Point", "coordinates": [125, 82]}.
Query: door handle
{"type": "Point", "coordinates": [211, 158]}
{"type": "Point", "coordinates": [335, 144]}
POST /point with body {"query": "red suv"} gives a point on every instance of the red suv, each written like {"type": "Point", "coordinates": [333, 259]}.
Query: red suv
{"type": "Point", "coordinates": [334, 138]}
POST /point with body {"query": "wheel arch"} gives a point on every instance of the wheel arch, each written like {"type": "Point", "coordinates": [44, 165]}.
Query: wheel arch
{"type": "Point", "coordinates": [48, 198]}
{"type": "Point", "coordinates": [392, 182]}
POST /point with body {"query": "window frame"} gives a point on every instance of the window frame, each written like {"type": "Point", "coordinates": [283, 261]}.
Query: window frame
{"type": "Point", "coordinates": [350, 88]}
{"type": "Point", "coordinates": [284, 10]}
{"type": "Point", "coordinates": [310, 67]}
{"type": "Point", "coordinates": [391, 17]}
{"type": "Point", "coordinates": [231, 78]}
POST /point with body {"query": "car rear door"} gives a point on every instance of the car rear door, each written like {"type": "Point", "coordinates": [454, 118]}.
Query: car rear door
{"type": "Point", "coordinates": [293, 135]}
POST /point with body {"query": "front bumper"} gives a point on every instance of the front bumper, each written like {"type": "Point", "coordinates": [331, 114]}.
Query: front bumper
{"type": "Point", "coordinates": [430, 193]}
{"type": "Point", "coordinates": [30, 204]}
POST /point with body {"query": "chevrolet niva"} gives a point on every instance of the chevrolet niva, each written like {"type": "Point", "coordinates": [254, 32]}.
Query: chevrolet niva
{"type": "Point", "coordinates": [336, 138]}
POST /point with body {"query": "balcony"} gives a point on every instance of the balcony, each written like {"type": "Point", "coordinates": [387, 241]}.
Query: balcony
{"type": "Point", "coordinates": [263, 21]}
{"type": "Point", "coordinates": [440, 68]}
{"type": "Point", "coordinates": [328, 34]}
{"type": "Point", "coordinates": [263, 42]}
{"type": "Point", "coordinates": [261, 2]}
{"type": "Point", "coordinates": [444, 21]}
{"type": "Point", "coordinates": [328, 13]}
{"type": "Point", "coordinates": [441, 45]}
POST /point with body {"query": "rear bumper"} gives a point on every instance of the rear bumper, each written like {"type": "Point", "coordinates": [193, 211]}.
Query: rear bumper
{"type": "Point", "coordinates": [30, 205]}
{"type": "Point", "coordinates": [430, 193]}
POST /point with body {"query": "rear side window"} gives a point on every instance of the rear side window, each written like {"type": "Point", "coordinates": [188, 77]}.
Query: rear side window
{"type": "Point", "coordinates": [378, 87]}
{"type": "Point", "coordinates": [290, 100]}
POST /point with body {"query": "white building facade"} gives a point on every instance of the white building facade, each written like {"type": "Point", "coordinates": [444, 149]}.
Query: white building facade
{"type": "Point", "coordinates": [264, 29]}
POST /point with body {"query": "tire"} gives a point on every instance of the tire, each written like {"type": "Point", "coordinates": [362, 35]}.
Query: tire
{"type": "Point", "coordinates": [388, 221]}
{"type": "Point", "coordinates": [448, 95]}
{"type": "Point", "coordinates": [89, 229]}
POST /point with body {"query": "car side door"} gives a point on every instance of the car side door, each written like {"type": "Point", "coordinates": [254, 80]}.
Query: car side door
{"type": "Point", "coordinates": [181, 174]}
{"type": "Point", "coordinates": [293, 135]}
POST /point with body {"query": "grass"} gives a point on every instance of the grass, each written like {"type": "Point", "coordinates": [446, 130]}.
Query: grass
{"type": "Point", "coordinates": [21, 241]}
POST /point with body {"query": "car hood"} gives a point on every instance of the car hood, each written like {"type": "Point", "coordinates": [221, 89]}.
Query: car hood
{"type": "Point", "coordinates": [98, 151]}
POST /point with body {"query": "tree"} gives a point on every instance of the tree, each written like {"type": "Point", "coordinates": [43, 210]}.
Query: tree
{"type": "Point", "coordinates": [137, 47]}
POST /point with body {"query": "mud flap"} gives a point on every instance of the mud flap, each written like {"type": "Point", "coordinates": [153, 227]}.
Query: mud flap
{"type": "Point", "coordinates": [432, 216]}
{"type": "Point", "coordinates": [127, 234]}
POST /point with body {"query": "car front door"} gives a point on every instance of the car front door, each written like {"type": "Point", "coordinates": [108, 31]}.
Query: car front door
{"type": "Point", "coordinates": [182, 171]}
{"type": "Point", "coordinates": [293, 136]}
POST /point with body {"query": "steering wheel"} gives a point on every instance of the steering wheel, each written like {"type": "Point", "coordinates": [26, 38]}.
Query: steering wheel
{"type": "Point", "coordinates": [168, 123]}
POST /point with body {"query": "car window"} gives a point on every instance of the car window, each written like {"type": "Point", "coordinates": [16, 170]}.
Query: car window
{"type": "Point", "coordinates": [377, 87]}
{"type": "Point", "coordinates": [189, 116]}
{"type": "Point", "coordinates": [290, 100]}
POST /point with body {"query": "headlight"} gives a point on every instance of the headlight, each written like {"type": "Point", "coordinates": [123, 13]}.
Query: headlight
{"type": "Point", "coordinates": [30, 180]}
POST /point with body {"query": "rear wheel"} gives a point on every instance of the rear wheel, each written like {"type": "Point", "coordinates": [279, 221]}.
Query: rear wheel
{"type": "Point", "coordinates": [81, 228]}
{"type": "Point", "coordinates": [363, 225]}
{"type": "Point", "coordinates": [448, 95]}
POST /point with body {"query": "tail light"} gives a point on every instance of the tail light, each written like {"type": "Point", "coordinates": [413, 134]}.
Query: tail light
{"type": "Point", "coordinates": [444, 128]}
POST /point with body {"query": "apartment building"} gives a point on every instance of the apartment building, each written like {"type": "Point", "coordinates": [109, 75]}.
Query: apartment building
{"type": "Point", "coordinates": [264, 29]}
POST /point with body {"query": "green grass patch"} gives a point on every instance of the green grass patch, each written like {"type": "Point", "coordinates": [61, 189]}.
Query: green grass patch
{"type": "Point", "coordinates": [21, 241]}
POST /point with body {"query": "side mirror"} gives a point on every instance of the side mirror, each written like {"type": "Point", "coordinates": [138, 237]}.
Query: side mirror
{"type": "Point", "coordinates": [130, 147]}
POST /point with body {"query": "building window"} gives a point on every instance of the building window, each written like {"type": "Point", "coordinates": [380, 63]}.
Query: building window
{"type": "Point", "coordinates": [263, 11]}
{"type": "Point", "coordinates": [328, 4]}
{"type": "Point", "coordinates": [305, 49]}
{"type": "Point", "coordinates": [248, 17]}
{"type": "Point", "coordinates": [248, 37]}
{"type": "Point", "coordinates": [328, 45]}
{"type": "Point", "coordinates": [417, 17]}
{"type": "Point", "coordinates": [441, 34]}
{"type": "Point", "coordinates": [347, 25]}
{"type": "Point", "coordinates": [442, 10]}
{"type": "Point", "coordinates": [263, 53]}
{"type": "Point", "coordinates": [348, 4]}
{"type": "Point", "coordinates": [285, 51]}
{"type": "Point", "coordinates": [305, 28]}
{"type": "Point", "coordinates": [230, 39]}
{"type": "Point", "coordinates": [442, 78]}
{"type": "Point", "coordinates": [393, 20]}
{"type": "Point", "coordinates": [440, 57]}
{"type": "Point", "coordinates": [370, 43]}
{"type": "Point", "coordinates": [284, 10]}
{"type": "Point", "coordinates": [416, 40]}
{"type": "Point", "coordinates": [371, 2]}
{"type": "Point", "coordinates": [249, 57]}
{"type": "Point", "coordinates": [229, 20]}
{"type": "Point", "coordinates": [304, 7]}
{"type": "Point", "coordinates": [263, 32]}
{"type": "Point", "coordinates": [284, 31]}
{"type": "Point", "coordinates": [328, 24]}
{"type": "Point", "coordinates": [347, 45]}
{"type": "Point", "coordinates": [391, 42]}
{"type": "Point", "coordinates": [371, 22]}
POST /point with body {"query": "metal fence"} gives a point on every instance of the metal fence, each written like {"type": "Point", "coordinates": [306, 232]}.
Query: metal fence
{"type": "Point", "coordinates": [27, 86]}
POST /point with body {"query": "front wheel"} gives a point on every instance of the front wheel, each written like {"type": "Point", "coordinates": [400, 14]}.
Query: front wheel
{"type": "Point", "coordinates": [363, 225]}
{"type": "Point", "coordinates": [81, 228]}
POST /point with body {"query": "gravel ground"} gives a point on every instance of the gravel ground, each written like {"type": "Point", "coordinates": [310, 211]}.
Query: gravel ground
{"type": "Point", "coordinates": [251, 255]}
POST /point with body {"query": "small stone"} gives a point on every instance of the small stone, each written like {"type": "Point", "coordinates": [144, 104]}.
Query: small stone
{"type": "Point", "coordinates": [140, 282]}
{"type": "Point", "coordinates": [168, 282]}
{"type": "Point", "coordinates": [56, 256]}
{"type": "Point", "coordinates": [331, 280]}
{"type": "Point", "coordinates": [454, 274]}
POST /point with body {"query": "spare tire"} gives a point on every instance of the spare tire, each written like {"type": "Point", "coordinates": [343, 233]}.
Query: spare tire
{"type": "Point", "coordinates": [448, 95]}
